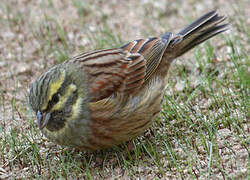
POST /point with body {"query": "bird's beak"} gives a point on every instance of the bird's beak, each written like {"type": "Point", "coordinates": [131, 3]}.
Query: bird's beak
{"type": "Point", "coordinates": [42, 119]}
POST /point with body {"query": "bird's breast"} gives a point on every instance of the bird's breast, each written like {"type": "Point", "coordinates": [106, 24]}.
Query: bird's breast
{"type": "Point", "coordinates": [114, 121]}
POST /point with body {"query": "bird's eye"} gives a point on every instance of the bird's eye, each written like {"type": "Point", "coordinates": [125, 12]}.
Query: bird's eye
{"type": "Point", "coordinates": [55, 98]}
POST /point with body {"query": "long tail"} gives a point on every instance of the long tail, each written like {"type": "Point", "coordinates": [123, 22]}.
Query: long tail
{"type": "Point", "coordinates": [199, 31]}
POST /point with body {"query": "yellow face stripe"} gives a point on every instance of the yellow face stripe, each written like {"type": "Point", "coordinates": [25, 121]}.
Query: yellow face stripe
{"type": "Point", "coordinates": [63, 99]}
{"type": "Point", "coordinates": [54, 88]}
{"type": "Point", "coordinates": [76, 109]}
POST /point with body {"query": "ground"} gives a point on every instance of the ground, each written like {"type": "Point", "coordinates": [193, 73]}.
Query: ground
{"type": "Point", "coordinates": [203, 129]}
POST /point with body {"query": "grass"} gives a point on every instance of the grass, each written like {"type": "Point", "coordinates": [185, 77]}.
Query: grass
{"type": "Point", "coordinates": [203, 129]}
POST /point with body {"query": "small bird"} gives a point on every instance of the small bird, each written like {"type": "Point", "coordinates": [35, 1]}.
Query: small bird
{"type": "Point", "coordinates": [103, 98]}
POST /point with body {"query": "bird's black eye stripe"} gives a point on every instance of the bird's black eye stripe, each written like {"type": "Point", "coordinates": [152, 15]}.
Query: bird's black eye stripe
{"type": "Point", "coordinates": [55, 98]}
{"type": "Point", "coordinates": [53, 101]}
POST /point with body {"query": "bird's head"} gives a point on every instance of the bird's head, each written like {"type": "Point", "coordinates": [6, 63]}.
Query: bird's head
{"type": "Point", "coordinates": [57, 97]}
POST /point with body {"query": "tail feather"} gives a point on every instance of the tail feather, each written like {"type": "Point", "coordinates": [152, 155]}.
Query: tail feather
{"type": "Point", "coordinates": [199, 23]}
{"type": "Point", "coordinates": [199, 39]}
{"type": "Point", "coordinates": [199, 31]}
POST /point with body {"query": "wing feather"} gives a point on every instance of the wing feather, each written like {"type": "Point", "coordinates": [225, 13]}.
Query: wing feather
{"type": "Point", "coordinates": [111, 71]}
{"type": "Point", "coordinates": [151, 49]}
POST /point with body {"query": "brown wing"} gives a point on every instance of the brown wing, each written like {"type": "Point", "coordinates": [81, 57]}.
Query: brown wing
{"type": "Point", "coordinates": [124, 69]}
{"type": "Point", "coordinates": [152, 50]}
{"type": "Point", "coordinates": [113, 70]}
